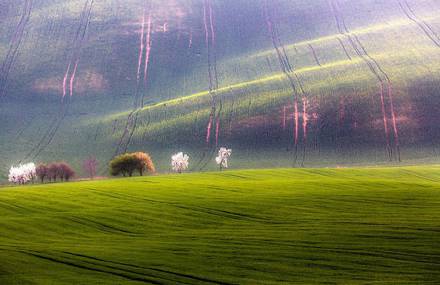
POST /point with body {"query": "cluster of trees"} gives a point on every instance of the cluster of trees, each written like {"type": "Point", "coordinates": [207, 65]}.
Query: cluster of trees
{"type": "Point", "coordinates": [53, 171]}
{"type": "Point", "coordinates": [128, 163]}
{"type": "Point", "coordinates": [22, 174]}
{"type": "Point", "coordinates": [26, 173]}
{"type": "Point", "coordinates": [180, 161]}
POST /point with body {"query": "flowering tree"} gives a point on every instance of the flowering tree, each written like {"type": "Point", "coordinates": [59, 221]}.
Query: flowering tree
{"type": "Point", "coordinates": [65, 171]}
{"type": "Point", "coordinates": [222, 158]}
{"type": "Point", "coordinates": [180, 162]}
{"type": "Point", "coordinates": [53, 172]}
{"type": "Point", "coordinates": [22, 174]}
{"type": "Point", "coordinates": [90, 166]}
{"type": "Point", "coordinates": [144, 162]}
{"type": "Point", "coordinates": [42, 172]}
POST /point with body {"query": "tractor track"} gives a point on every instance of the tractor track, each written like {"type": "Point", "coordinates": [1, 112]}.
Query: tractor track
{"type": "Point", "coordinates": [14, 46]}
{"type": "Point", "coordinates": [138, 104]}
{"type": "Point", "coordinates": [294, 81]}
{"type": "Point", "coordinates": [213, 119]}
{"type": "Point", "coordinates": [58, 119]}
{"type": "Point", "coordinates": [315, 55]}
{"type": "Point", "coordinates": [424, 26]}
{"type": "Point", "coordinates": [381, 76]}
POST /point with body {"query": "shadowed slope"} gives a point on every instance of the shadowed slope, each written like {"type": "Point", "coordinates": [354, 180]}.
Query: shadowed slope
{"type": "Point", "coordinates": [367, 71]}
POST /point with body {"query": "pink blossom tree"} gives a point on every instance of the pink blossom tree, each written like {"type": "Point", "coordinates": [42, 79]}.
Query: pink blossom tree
{"type": "Point", "coordinates": [90, 166]}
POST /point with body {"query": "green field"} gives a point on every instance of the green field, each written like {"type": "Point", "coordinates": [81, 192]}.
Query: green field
{"type": "Point", "coordinates": [336, 68]}
{"type": "Point", "coordinates": [308, 226]}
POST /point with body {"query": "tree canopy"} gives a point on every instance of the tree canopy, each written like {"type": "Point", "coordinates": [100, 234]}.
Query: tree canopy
{"type": "Point", "coordinates": [126, 164]}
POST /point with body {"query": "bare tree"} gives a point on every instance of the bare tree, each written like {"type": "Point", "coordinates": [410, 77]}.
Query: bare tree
{"type": "Point", "coordinates": [52, 172]}
{"type": "Point", "coordinates": [61, 170]}
{"type": "Point", "coordinates": [42, 172]}
{"type": "Point", "coordinates": [90, 166]}
{"type": "Point", "coordinates": [65, 171]}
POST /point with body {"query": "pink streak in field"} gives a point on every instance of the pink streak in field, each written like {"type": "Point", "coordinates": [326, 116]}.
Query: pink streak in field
{"type": "Point", "coordinates": [65, 80]}
{"type": "Point", "coordinates": [141, 48]}
{"type": "Point", "coordinates": [217, 129]}
{"type": "Point", "coordinates": [148, 49]}
{"type": "Point", "coordinates": [208, 129]}
{"type": "Point", "coordinates": [305, 118]}
{"type": "Point", "coordinates": [165, 27]}
{"type": "Point", "coordinates": [393, 116]}
{"type": "Point", "coordinates": [296, 117]}
{"type": "Point", "coordinates": [284, 118]}
{"type": "Point", "coordinates": [384, 115]}
{"type": "Point", "coordinates": [190, 40]}
{"type": "Point", "coordinates": [72, 78]}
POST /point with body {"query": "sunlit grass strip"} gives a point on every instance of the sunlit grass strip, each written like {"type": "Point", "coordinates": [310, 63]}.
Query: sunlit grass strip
{"type": "Point", "coordinates": [396, 24]}
{"type": "Point", "coordinates": [317, 77]}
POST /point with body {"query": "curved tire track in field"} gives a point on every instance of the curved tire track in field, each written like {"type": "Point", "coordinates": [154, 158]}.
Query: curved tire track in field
{"type": "Point", "coordinates": [99, 225]}
{"type": "Point", "coordinates": [315, 55]}
{"type": "Point", "coordinates": [49, 134]}
{"type": "Point", "coordinates": [14, 46]}
{"type": "Point", "coordinates": [341, 43]}
{"type": "Point", "coordinates": [379, 73]}
{"type": "Point", "coordinates": [199, 209]}
{"type": "Point", "coordinates": [426, 28]}
{"type": "Point", "coordinates": [7, 205]}
{"type": "Point", "coordinates": [212, 126]}
{"type": "Point", "coordinates": [58, 119]}
{"type": "Point", "coordinates": [128, 271]}
{"type": "Point", "coordinates": [294, 81]}
{"type": "Point", "coordinates": [215, 121]}
{"type": "Point", "coordinates": [108, 270]}
{"type": "Point", "coordinates": [26, 125]}
{"type": "Point", "coordinates": [145, 47]}
{"type": "Point", "coordinates": [153, 269]}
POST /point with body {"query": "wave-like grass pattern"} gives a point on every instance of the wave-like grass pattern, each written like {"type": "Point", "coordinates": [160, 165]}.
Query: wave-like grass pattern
{"type": "Point", "coordinates": [308, 226]}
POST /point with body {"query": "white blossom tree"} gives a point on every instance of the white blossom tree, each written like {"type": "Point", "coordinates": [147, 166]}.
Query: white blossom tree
{"type": "Point", "coordinates": [222, 158]}
{"type": "Point", "coordinates": [22, 174]}
{"type": "Point", "coordinates": [180, 162]}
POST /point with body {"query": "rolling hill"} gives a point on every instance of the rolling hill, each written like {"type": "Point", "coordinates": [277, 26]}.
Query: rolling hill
{"type": "Point", "coordinates": [283, 83]}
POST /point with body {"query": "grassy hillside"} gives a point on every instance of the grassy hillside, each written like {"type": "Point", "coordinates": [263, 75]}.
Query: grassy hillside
{"type": "Point", "coordinates": [340, 53]}
{"type": "Point", "coordinates": [248, 227]}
